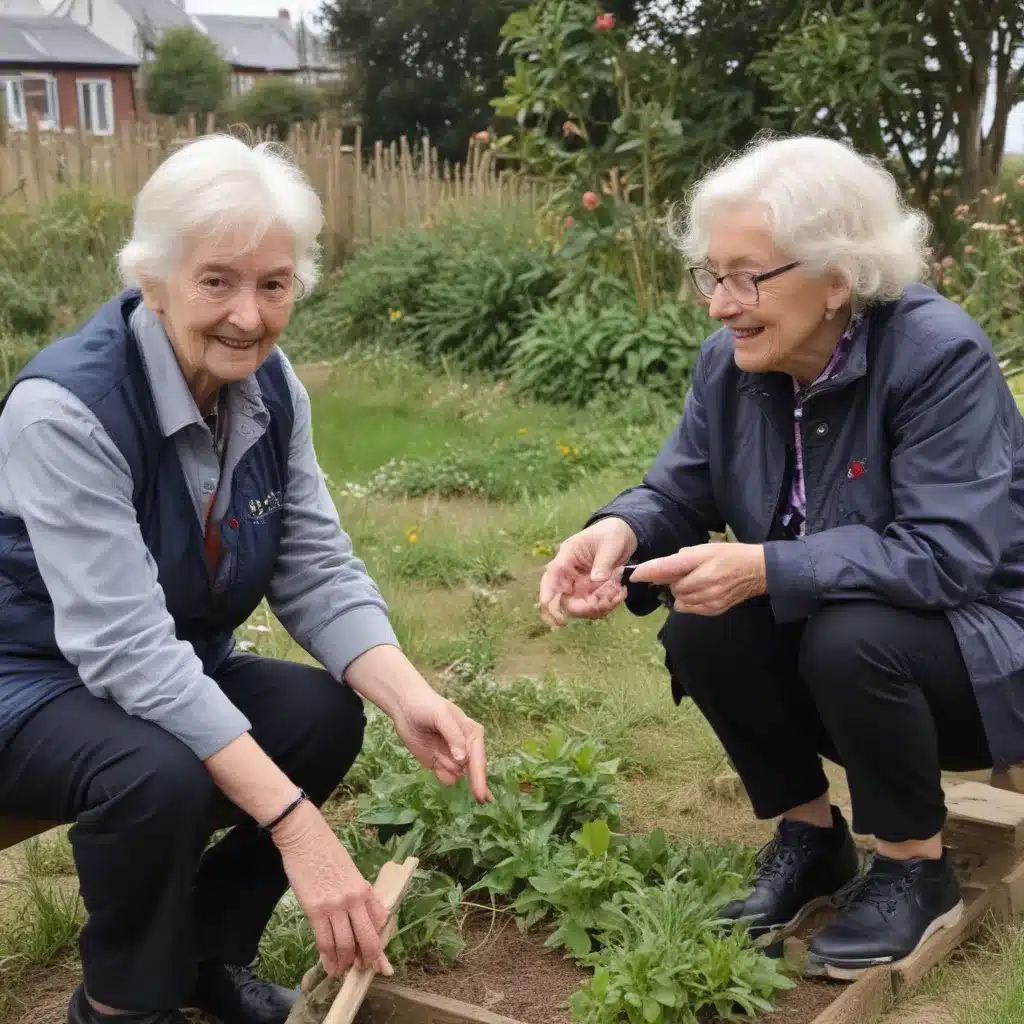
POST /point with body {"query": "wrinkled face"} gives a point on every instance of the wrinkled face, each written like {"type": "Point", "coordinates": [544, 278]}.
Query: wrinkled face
{"type": "Point", "coordinates": [776, 332]}
{"type": "Point", "coordinates": [225, 308]}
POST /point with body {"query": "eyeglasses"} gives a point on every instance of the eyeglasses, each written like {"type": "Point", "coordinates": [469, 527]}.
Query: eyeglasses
{"type": "Point", "coordinates": [742, 286]}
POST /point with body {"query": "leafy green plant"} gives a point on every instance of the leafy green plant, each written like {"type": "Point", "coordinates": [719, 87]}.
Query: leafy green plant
{"type": "Point", "coordinates": [577, 889]}
{"type": "Point", "coordinates": [186, 73]}
{"type": "Point", "coordinates": [665, 958]}
{"type": "Point", "coordinates": [592, 350]}
{"type": "Point", "coordinates": [382, 752]}
{"type": "Point", "coordinates": [23, 309]}
{"type": "Point", "coordinates": [277, 102]}
{"type": "Point", "coordinates": [544, 699]}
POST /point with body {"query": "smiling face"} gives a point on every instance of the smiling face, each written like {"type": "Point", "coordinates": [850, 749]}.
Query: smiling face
{"type": "Point", "coordinates": [786, 330]}
{"type": "Point", "coordinates": [225, 308]}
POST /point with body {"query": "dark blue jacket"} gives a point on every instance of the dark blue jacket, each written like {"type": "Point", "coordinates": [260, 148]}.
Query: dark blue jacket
{"type": "Point", "coordinates": [933, 517]}
{"type": "Point", "coordinates": [102, 367]}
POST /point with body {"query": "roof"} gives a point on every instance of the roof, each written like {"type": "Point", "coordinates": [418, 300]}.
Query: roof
{"type": "Point", "coordinates": [266, 44]}
{"type": "Point", "coordinates": [55, 41]}
{"type": "Point", "coordinates": [158, 13]}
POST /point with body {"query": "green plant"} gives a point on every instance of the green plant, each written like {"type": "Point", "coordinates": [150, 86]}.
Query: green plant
{"type": "Point", "coordinates": [277, 102]}
{"type": "Point", "coordinates": [530, 699]}
{"type": "Point", "coordinates": [22, 308]}
{"type": "Point", "coordinates": [593, 350]}
{"type": "Point", "coordinates": [186, 74]}
{"type": "Point", "coordinates": [666, 959]}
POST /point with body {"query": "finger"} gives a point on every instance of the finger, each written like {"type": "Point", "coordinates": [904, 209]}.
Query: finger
{"type": "Point", "coordinates": [606, 560]}
{"type": "Point", "coordinates": [672, 567]}
{"type": "Point", "coordinates": [448, 727]}
{"type": "Point", "coordinates": [378, 912]}
{"type": "Point", "coordinates": [553, 612]}
{"type": "Point", "coordinates": [702, 580]}
{"type": "Point", "coordinates": [323, 934]}
{"type": "Point", "coordinates": [556, 580]}
{"type": "Point", "coordinates": [344, 942]}
{"type": "Point", "coordinates": [478, 768]}
{"type": "Point", "coordinates": [445, 777]}
{"type": "Point", "coordinates": [371, 952]}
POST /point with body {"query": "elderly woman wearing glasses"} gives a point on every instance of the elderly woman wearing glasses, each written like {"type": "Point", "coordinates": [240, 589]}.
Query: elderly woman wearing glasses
{"type": "Point", "coordinates": [157, 481]}
{"type": "Point", "coordinates": [854, 431]}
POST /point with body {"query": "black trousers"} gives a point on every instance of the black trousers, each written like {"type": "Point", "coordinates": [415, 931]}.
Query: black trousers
{"type": "Point", "coordinates": [882, 691]}
{"type": "Point", "coordinates": [145, 808]}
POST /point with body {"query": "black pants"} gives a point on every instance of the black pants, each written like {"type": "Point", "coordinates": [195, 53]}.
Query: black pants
{"type": "Point", "coordinates": [145, 808]}
{"type": "Point", "coordinates": [882, 691]}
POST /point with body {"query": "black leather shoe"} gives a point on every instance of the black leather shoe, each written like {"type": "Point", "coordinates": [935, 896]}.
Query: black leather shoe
{"type": "Point", "coordinates": [234, 995]}
{"type": "Point", "coordinates": [80, 1011]}
{"type": "Point", "coordinates": [886, 915]}
{"type": "Point", "coordinates": [797, 872]}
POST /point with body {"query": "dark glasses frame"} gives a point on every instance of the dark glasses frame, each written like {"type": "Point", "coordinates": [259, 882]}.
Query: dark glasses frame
{"type": "Point", "coordinates": [753, 279]}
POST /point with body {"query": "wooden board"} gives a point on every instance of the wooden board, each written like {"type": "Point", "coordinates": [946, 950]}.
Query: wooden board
{"type": "Point", "coordinates": [860, 1001]}
{"type": "Point", "coordinates": [389, 1003]}
{"type": "Point", "coordinates": [981, 816]}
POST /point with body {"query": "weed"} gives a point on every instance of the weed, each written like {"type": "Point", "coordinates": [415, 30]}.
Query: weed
{"type": "Point", "coordinates": [49, 855]}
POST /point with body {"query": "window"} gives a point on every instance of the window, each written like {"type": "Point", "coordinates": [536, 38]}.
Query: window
{"type": "Point", "coordinates": [30, 96]}
{"type": "Point", "coordinates": [241, 84]}
{"type": "Point", "coordinates": [96, 106]}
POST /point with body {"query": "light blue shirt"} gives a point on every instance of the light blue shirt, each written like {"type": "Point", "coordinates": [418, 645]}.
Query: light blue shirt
{"type": "Point", "coordinates": [64, 477]}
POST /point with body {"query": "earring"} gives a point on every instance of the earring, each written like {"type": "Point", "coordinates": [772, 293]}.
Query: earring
{"type": "Point", "coordinates": [830, 315]}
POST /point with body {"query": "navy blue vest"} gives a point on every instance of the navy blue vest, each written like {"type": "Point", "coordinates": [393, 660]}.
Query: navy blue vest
{"type": "Point", "coordinates": [102, 367]}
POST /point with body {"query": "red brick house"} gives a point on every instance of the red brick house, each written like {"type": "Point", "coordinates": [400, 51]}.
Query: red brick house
{"type": "Point", "coordinates": [61, 75]}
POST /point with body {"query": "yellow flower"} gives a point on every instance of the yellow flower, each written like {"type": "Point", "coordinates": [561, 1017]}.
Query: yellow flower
{"type": "Point", "coordinates": [396, 315]}
{"type": "Point", "coordinates": [542, 550]}
{"type": "Point", "coordinates": [523, 430]}
{"type": "Point", "coordinates": [569, 451]}
{"type": "Point", "coordinates": [412, 535]}
{"type": "Point", "coordinates": [564, 449]}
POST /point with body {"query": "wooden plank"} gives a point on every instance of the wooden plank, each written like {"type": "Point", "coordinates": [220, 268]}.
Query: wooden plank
{"type": "Point", "coordinates": [17, 830]}
{"type": "Point", "coordinates": [393, 880]}
{"type": "Point", "coordinates": [943, 943]}
{"type": "Point", "coordinates": [389, 1003]}
{"type": "Point", "coordinates": [1013, 885]}
{"type": "Point", "coordinates": [862, 1000]}
{"type": "Point", "coordinates": [981, 815]}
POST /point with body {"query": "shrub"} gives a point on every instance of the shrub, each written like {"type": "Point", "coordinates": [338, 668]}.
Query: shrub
{"type": "Point", "coordinates": [22, 308]}
{"type": "Point", "coordinates": [277, 102]}
{"type": "Point", "coordinates": [186, 75]}
{"type": "Point", "coordinates": [588, 349]}
{"type": "Point", "coordinates": [462, 290]}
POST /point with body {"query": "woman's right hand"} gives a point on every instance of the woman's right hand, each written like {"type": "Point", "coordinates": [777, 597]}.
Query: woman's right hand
{"type": "Point", "coordinates": [345, 914]}
{"type": "Point", "coordinates": [584, 579]}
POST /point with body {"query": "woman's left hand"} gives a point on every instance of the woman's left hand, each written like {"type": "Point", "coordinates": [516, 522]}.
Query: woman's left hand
{"type": "Point", "coordinates": [709, 579]}
{"type": "Point", "coordinates": [444, 739]}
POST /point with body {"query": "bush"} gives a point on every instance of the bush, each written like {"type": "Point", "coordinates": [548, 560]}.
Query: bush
{"type": "Point", "coordinates": [463, 289]}
{"type": "Point", "coordinates": [187, 74]}
{"type": "Point", "coordinates": [23, 309]}
{"type": "Point", "coordinates": [277, 102]}
{"type": "Point", "coordinates": [581, 352]}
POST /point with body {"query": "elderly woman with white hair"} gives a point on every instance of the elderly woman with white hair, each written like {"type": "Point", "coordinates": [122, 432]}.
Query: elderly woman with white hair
{"type": "Point", "coordinates": [157, 482]}
{"type": "Point", "coordinates": [853, 429]}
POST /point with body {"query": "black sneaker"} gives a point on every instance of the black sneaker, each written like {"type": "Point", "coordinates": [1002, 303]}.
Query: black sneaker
{"type": "Point", "coordinates": [886, 915]}
{"type": "Point", "coordinates": [797, 872]}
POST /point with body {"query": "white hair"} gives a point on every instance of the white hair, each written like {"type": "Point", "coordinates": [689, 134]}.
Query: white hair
{"type": "Point", "coordinates": [828, 206]}
{"type": "Point", "coordinates": [214, 185]}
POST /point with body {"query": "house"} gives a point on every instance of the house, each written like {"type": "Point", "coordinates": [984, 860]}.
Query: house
{"type": "Point", "coordinates": [63, 76]}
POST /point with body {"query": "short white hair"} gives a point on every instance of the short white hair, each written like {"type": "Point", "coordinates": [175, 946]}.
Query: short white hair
{"type": "Point", "coordinates": [828, 206]}
{"type": "Point", "coordinates": [214, 185]}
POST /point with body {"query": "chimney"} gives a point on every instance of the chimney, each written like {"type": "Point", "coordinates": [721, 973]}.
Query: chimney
{"type": "Point", "coordinates": [284, 14]}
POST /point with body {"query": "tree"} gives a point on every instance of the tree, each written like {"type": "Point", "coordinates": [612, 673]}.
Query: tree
{"type": "Point", "coordinates": [278, 102]}
{"type": "Point", "coordinates": [906, 77]}
{"type": "Point", "coordinates": [186, 75]}
{"type": "Point", "coordinates": [419, 67]}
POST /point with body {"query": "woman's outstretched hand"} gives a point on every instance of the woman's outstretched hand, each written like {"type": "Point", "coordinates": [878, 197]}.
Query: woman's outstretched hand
{"type": "Point", "coordinates": [584, 580]}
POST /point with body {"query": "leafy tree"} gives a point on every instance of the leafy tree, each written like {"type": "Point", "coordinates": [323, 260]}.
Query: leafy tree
{"type": "Point", "coordinates": [909, 77]}
{"type": "Point", "coordinates": [186, 75]}
{"type": "Point", "coordinates": [419, 67]}
{"type": "Point", "coordinates": [278, 102]}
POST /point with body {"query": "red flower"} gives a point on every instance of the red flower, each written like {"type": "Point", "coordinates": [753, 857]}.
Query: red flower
{"type": "Point", "coordinates": [605, 22]}
{"type": "Point", "coordinates": [570, 223]}
{"type": "Point", "coordinates": [591, 201]}
{"type": "Point", "coordinates": [569, 128]}
{"type": "Point", "coordinates": [856, 470]}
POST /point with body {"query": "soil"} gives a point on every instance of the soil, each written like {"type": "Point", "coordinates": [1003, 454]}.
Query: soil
{"type": "Point", "coordinates": [513, 974]}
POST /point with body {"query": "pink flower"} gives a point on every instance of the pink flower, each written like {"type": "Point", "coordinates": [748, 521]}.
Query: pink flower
{"type": "Point", "coordinates": [605, 22]}
{"type": "Point", "coordinates": [947, 262]}
{"type": "Point", "coordinates": [569, 128]}
{"type": "Point", "coordinates": [969, 250]}
{"type": "Point", "coordinates": [591, 201]}
{"type": "Point", "coordinates": [570, 223]}
{"type": "Point", "coordinates": [484, 136]}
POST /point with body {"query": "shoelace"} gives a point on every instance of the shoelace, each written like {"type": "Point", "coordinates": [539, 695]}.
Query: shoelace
{"type": "Point", "coordinates": [878, 890]}
{"type": "Point", "coordinates": [774, 858]}
{"type": "Point", "coordinates": [249, 984]}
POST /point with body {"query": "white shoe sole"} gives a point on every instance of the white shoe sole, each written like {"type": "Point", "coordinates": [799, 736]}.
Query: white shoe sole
{"type": "Point", "coordinates": [847, 973]}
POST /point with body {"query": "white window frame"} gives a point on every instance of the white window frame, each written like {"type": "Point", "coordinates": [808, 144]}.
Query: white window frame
{"type": "Point", "coordinates": [103, 91]}
{"type": "Point", "coordinates": [241, 83]}
{"type": "Point", "coordinates": [12, 95]}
